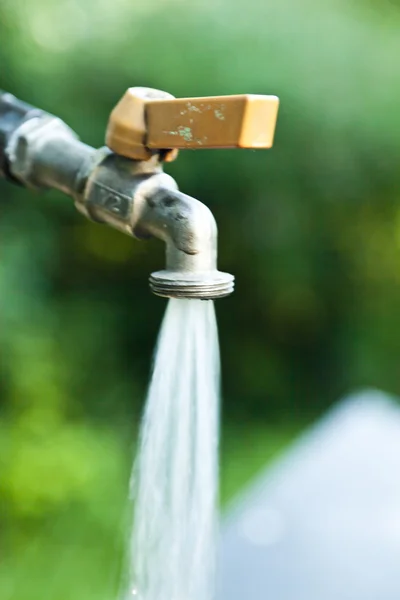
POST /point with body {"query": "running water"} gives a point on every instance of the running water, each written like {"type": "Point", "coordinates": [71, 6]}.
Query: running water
{"type": "Point", "coordinates": [175, 479]}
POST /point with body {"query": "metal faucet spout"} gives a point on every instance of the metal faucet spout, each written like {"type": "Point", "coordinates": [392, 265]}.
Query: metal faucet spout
{"type": "Point", "coordinates": [189, 230]}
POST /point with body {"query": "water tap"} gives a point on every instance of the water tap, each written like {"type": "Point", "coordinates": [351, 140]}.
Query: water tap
{"type": "Point", "coordinates": [123, 183]}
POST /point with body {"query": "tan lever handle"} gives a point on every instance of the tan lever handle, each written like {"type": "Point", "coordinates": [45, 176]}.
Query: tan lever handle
{"type": "Point", "coordinates": [146, 120]}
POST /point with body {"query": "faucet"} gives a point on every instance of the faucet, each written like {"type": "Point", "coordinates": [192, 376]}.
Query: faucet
{"type": "Point", "coordinates": [123, 183]}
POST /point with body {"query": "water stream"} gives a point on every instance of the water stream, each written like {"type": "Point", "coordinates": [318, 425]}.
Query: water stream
{"type": "Point", "coordinates": [175, 479]}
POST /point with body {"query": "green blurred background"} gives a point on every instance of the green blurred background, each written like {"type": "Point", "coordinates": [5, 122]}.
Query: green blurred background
{"type": "Point", "coordinates": [311, 229]}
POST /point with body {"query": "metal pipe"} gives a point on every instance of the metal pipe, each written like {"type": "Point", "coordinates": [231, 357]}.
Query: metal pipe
{"type": "Point", "coordinates": [13, 113]}
{"type": "Point", "coordinates": [44, 153]}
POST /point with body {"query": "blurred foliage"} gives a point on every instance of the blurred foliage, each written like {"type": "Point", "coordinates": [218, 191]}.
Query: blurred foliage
{"type": "Point", "coordinates": [311, 230]}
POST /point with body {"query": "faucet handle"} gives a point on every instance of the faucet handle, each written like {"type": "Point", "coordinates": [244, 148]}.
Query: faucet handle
{"type": "Point", "coordinates": [147, 121]}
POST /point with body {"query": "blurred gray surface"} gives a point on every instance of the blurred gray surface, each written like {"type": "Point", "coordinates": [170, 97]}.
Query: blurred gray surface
{"type": "Point", "coordinates": [324, 522]}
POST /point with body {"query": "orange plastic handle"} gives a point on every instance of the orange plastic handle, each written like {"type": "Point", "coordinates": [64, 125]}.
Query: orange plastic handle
{"type": "Point", "coordinates": [142, 122]}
